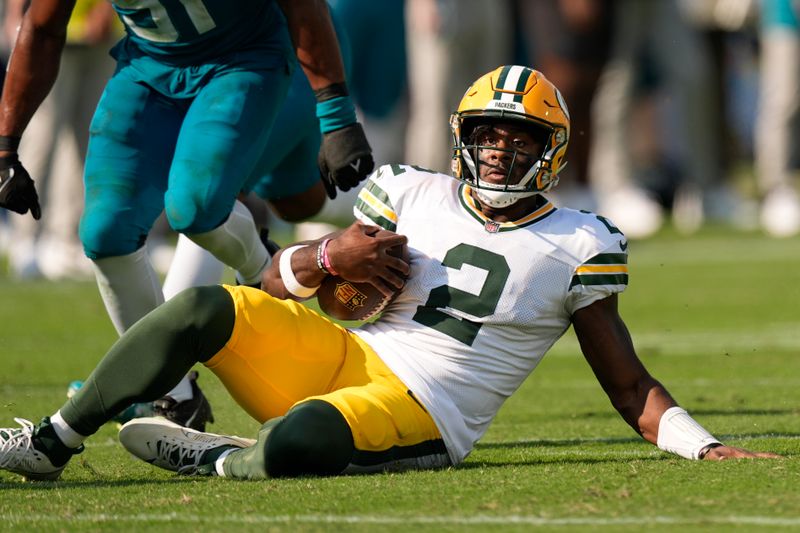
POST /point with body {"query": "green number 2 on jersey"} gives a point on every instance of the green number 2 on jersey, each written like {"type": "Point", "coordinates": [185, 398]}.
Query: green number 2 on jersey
{"type": "Point", "coordinates": [478, 305]}
{"type": "Point", "coordinates": [150, 19]}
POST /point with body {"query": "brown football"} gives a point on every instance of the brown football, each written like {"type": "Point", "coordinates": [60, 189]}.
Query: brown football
{"type": "Point", "coordinates": [349, 300]}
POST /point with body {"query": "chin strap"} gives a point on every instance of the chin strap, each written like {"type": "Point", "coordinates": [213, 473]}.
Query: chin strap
{"type": "Point", "coordinates": [499, 199]}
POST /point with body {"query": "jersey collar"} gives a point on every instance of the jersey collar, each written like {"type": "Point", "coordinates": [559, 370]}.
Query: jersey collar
{"type": "Point", "coordinates": [544, 209]}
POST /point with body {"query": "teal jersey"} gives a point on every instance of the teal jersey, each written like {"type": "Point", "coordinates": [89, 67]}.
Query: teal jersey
{"type": "Point", "coordinates": [192, 32]}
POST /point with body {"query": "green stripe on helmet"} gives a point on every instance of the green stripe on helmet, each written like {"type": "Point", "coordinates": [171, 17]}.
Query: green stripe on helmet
{"type": "Point", "coordinates": [523, 80]}
{"type": "Point", "coordinates": [501, 81]}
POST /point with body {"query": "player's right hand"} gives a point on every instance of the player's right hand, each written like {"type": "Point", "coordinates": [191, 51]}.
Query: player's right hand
{"type": "Point", "coordinates": [361, 253]}
{"type": "Point", "coordinates": [17, 191]}
{"type": "Point", "coordinates": [721, 453]}
{"type": "Point", "coordinates": [345, 158]}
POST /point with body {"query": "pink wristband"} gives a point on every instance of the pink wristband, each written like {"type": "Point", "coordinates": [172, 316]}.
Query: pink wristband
{"type": "Point", "coordinates": [326, 260]}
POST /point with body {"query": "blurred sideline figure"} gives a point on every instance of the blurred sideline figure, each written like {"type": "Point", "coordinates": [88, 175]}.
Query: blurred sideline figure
{"type": "Point", "coordinates": [570, 41]}
{"type": "Point", "coordinates": [450, 42]}
{"type": "Point", "coordinates": [727, 28]}
{"type": "Point", "coordinates": [776, 127]}
{"type": "Point", "coordinates": [680, 56]}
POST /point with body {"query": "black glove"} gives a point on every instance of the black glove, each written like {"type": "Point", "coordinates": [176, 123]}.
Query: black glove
{"type": "Point", "coordinates": [345, 158]}
{"type": "Point", "coordinates": [17, 191]}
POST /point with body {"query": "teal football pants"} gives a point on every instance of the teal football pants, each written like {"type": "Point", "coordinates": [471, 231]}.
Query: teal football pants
{"type": "Point", "coordinates": [189, 157]}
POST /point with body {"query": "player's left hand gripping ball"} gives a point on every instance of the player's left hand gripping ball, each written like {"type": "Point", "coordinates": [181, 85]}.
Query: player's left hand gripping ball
{"type": "Point", "coordinates": [17, 191]}
{"type": "Point", "coordinates": [345, 158]}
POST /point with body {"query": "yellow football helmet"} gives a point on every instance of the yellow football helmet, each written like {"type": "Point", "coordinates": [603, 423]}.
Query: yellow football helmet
{"type": "Point", "coordinates": [511, 93]}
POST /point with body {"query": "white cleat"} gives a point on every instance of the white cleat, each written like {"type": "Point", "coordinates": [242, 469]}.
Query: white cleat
{"type": "Point", "coordinates": [18, 455]}
{"type": "Point", "coordinates": [634, 211]}
{"type": "Point", "coordinates": [780, 213]}
{"type": "Point", "coordinates": [173, 447]}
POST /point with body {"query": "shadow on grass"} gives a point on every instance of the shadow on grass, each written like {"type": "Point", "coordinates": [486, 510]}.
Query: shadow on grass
{"type": "Point", "coordinates": [735, 411]}
{"type": "Point", "coordinates": [538, 443]}
{"type": "Point", "coordinates": [534, 443]}
{"type": "Point", "coordinates": [94, 483]}
{"type": "Point", "coordinates": [593, 455]}
{"type": "Point", "coordinates": [542, 461]}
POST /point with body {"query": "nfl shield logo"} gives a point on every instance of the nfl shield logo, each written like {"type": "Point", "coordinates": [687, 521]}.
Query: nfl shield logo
{"type": "Point", "coordinates": [491, 226]}
{"type": "Point", "coordinates": [349, 296]}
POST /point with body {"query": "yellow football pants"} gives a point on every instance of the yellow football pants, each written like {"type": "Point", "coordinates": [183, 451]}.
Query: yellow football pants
{"type": "Point", "coordinates": [281, 353]}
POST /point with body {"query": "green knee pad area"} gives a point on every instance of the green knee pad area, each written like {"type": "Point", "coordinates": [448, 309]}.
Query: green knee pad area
{"type": "Point", "coordinates": [313, 439]}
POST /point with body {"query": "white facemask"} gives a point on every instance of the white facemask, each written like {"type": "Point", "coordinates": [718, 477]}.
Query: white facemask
{"type": "Point", "coordinates": [496, 195]}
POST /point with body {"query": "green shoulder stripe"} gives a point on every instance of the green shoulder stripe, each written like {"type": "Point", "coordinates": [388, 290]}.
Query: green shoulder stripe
{"type": "Point", "coordinates": [379, 193]}
{"type": "Point", "coordinates": [599, 279]}
{"type": "Point", "coordinates": [374, 203]}
{"type": "Point", "coordinates": [374, 216]}
{"type": "Point", "coordinates": [608, 259]}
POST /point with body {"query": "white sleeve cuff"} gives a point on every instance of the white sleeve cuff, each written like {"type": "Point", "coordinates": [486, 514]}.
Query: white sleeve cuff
{"type": "Point", "coordinates": [288, 277]}
{"type": "Point", "coordinates": [680, 434]}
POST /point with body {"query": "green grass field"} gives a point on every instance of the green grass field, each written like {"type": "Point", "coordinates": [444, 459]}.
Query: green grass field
{"type": "Point", "coordinates": [715, 317]}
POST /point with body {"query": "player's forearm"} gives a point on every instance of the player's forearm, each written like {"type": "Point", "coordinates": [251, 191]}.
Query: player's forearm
{"type": "Point", "coordinates": [655, 415]}
{"type": "Point", "coordinates": [315, 41]}
{"type": "Point", "coordinates": [32, 70]}
{"type": "Point", "coordinates": [642, 406]}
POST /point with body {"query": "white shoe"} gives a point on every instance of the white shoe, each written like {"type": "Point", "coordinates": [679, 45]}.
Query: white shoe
{"type": "Point", "coordinates": [722, 203]}
{"type": "Point", "coordinates": [18, 455]}
{"type": "Point", "coordinates": [59, 260]}
{"type": "Point", "coordinates": [172, 447]}
{"type": "Point", "coordinates": [688, 214]}
{"type": "Point", "coordinates": [780, 213]}
{"type": "Point", "coordinates": [23, 259]}
{"type": "Point", "coordinates": [633, 211]}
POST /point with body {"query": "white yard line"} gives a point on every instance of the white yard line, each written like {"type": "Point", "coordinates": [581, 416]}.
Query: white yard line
{"type": "Point", "coordinates": [173, 518]}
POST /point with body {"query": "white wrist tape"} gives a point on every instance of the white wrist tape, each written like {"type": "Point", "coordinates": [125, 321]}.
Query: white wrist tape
{"type": "Point", "coordinates": [288, 277]}
{"type": "Point", "coordinates": [680, 434]}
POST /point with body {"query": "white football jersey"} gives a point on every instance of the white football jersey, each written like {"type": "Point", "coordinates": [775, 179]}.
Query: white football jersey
{"type": "Point", "coordinates": [485, 300]}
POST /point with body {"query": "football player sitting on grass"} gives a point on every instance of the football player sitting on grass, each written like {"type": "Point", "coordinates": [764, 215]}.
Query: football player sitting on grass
{"type": "Point", "coordinates": [496, 275]}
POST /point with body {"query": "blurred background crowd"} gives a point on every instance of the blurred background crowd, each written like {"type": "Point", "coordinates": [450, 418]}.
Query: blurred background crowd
{"type": "Point", "coordinates": [684, 112]}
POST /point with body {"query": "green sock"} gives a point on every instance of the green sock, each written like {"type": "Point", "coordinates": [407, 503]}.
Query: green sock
{"type": "Point", "coordinates": [46, 441]}
{"type": "Point", "coordinates": [250, 463]}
